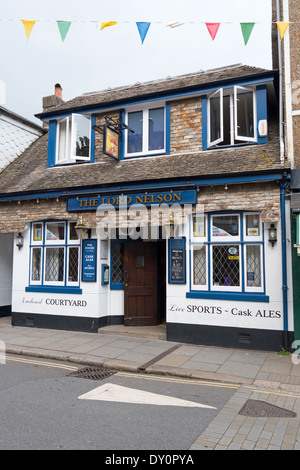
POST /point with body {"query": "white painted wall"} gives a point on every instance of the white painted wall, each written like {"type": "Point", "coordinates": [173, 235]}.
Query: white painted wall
{"type": "Point", "coordinates": [6, 265]}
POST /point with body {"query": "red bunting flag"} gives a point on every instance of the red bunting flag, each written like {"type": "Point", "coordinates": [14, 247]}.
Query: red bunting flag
{"type": "Point", "coordinates": [212, 29]}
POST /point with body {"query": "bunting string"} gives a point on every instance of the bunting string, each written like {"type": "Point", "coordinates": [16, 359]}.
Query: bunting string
{"type": "Point", "coordinates": [143, 27]}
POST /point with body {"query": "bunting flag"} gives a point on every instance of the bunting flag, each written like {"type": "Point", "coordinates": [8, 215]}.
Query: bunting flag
{"type": "Point", "coordinates": [63, 27]}
{"type": "Point", "coordinates": [282, 27]}
{"type": "Point", "coordinates": [143, 29]}
{"type": "Point", "coordinates": [28, 25]}
{"type": "Point", "coordinates": [212, 29]}
{"type": "Point", "coordinates": [246, 31]}
{"type": "Point", "coordinates": [104, 24]}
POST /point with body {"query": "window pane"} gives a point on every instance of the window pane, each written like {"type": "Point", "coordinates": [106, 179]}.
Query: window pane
{"type": "Point", "coordinates": [37, 233]}
{"type": "Point", "coordinates": [55, 231]}
{"type": "Point", "coordinates": [81, 136]}
{"type": "Point", "coordinates": [135, 141]}
{"type": "Point", "coordinates": [226, 226]}
{"type": "Point", "coordinates": [62, 141]}
{"type": "Point", "coordinates": [227, 120]}
{"type": "Point", "coordinates": [199, 264]}
{"type": "Point", "coordinates": [117, 265]}
{"type": "Point", "coordinates": [72, 232]}
{"type": "Point", "coordinates": [54, 269]}
{"type": "Point", "coordinates": [253, 265]}
{"type": "Point", "coordinates": [156, 129]}
{"type": "Point", "coordinates": [245, 114]}
{"type": "Point", "coordinates": [36, 264]}
{"type": "Point", "coordinates": [252, 225]}
{"type": "Point", "coordinates": [215, 119]}
{"type": "Point", "coordinates": [73, 264]}
{"type": "Point", "coordinates": [226, 265]}
{"type": "Point", "coordinates": [199, 229]}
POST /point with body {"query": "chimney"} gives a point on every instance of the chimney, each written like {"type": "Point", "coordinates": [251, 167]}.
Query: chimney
{"type": "Point", "coordinates": [58, 91]}
{"type": "Point", "coordinates": [52, 101]}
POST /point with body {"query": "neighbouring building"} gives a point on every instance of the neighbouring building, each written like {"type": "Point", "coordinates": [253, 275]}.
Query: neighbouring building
{"type": "Point", "coordinates": [16, 134]}
{"type": "Point", "coordinates": [163, 202]}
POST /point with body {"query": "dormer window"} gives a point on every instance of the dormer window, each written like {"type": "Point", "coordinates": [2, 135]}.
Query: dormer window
{"type": "Point", "coordinates": [231, 116]}
{"type": "Point", "coordinates": [73, 139]}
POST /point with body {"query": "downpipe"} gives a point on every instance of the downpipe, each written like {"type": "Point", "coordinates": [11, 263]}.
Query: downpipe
{"type": "Point", "coordinates": [283, 186]}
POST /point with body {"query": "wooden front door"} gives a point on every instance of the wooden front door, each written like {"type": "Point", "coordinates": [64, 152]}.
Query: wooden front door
{"type": "Point", "coordinates": [140, 284]}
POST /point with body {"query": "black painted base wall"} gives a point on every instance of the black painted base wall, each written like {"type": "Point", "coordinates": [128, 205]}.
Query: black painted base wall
{"type": "Point", "coordinates": [59, 322]}
{"type": "Point", "coordinates": [263, 340]}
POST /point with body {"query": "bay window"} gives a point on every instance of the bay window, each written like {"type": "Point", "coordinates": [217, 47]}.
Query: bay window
{"type": "Point", "coordinates": [54, 254]}
{"type": "Point", "coordinates": [227, 253]}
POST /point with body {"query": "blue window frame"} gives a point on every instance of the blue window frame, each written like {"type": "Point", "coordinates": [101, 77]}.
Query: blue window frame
{"type": "Point", "coordinates": [71, 140]}
{"type": "Point", "coordinates": [227, 256]}
{"type": "Point", "coordinates": [54, 257]}
{"type": "Point", "coordinates": [232, 116]}
{"type": "Point", "coordinates": [117, 264]}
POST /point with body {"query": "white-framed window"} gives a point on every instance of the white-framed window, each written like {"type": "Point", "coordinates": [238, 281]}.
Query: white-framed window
{"type": "Point", "coordinates": [228, 256]}
{"type": "Point", "coordinates": [54, 254]}
{"type": "Point", "coordinates": [148, 124]}
{"type": "Point", "coordinates": [73, 139]}
{"type": "Point", "coordinates": [231, 116]}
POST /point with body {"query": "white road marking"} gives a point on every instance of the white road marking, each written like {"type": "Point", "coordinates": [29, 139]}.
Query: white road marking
{"type": "Point", "coordinates": [116, 393]}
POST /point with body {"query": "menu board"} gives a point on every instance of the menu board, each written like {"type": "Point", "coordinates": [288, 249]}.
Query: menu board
{"type": "Point", "coordinates": [89, 260]}
{"type": "Point", "coordinates": [177, 261]}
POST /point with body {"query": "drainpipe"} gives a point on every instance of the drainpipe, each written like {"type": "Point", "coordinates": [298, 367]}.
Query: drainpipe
{"type": "Point", "coordinates": [280, 90]}
{"type": "Point", "coordinates": [283, 186]}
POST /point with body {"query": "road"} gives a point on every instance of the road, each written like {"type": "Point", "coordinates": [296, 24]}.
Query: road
{"type": "Point", "coordinates": [43, 407]}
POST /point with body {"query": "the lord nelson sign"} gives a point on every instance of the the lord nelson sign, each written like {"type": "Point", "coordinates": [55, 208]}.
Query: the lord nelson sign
{"type": "Point", "coordinates": [147, 199]}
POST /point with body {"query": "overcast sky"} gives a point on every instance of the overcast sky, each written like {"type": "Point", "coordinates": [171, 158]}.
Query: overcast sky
{"type": "Point", "coordinates": [90, 59]}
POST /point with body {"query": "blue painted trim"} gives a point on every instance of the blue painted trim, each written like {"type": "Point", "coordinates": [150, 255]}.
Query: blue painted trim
{"type": "Point", "coordinates": [261, 109]}
{"type": "Point", "coordinates": [284, 256]}
{"type": "Point", "coordinates": [196, 90]}
{"type": "Point", "coordinates": [239, 296]}
{"type": "Point", "coordinates": [122, 139]}
{"type": "Point", "coordinates": [204, 122]}
{"type": "Point", "coordinates": [116, 286]}
{"type": "Point", "coordinates": [156, 185]}
{"type": "Point", "coordinates": [92, 150]}
{"type": "Point", "coordinates": [168, 127]}
{"type": "Point", "coordinates": [54, 289]}
{"type": "Point", "coordinates": [52, 143]}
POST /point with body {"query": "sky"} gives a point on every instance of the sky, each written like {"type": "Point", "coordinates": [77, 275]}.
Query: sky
{"type": "Point", "coordinates": [90, 59]}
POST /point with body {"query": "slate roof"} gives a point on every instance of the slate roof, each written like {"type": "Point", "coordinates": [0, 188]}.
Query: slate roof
{"type": "Point", "coordinates": [29, 172]}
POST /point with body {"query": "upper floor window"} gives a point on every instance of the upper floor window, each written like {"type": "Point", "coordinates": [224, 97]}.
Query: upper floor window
{"type": "Point", "coordinates": [231, 116]}
{"type": "Point", "coordinates": [148, 136]}
{"type": "Point", "coordinates": [73, 139]}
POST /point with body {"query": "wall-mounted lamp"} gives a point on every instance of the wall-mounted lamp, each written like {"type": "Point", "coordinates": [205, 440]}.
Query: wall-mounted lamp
{"type": "Point", "coordinates": [272, 234]}
{"type": "Point", "coordinates": [20, 240]}
{"type": "Point", "coordinates": [82, 230]}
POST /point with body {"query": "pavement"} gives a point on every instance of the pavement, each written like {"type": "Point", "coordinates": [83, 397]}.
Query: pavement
{"type": "Point", "coordinates": [263, 412]}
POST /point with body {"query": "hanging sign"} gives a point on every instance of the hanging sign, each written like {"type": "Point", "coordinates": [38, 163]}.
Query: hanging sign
{"type": "Point", "coordinates": [111, 142]}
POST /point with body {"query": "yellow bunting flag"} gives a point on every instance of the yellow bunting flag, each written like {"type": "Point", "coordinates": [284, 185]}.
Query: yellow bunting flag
{"type": "Point", "coordinates": [107, 23]}
{"type": "Point", "coordinates": [28, 25]}
{"type": "Point", "coordinates": [282, 27]}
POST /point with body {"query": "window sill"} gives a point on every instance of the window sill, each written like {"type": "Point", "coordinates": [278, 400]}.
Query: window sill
{"type": "Point", "coordinates": [241, 296]}
{"type": "Point", "coordinates": [54, 289]}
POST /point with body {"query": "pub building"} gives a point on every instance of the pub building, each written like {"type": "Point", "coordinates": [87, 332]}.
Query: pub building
{"type": "Point", "coordinates": [159, 203]}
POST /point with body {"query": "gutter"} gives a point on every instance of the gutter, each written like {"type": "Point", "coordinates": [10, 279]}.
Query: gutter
{"type": "Point", "coordinates": [283, 186]}
{"type": "Point", "coordinates": [280, 89]}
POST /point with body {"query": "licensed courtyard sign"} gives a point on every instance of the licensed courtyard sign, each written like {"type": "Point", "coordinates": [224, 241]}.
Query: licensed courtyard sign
{"type": "Point", "coordinates": [146, 199]}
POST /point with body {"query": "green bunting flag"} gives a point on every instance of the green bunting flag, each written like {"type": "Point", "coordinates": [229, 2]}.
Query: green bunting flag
{"type": "Point", "coordinates": [246, 31]}
{"type": "Point", "coordinates": [63, 27]}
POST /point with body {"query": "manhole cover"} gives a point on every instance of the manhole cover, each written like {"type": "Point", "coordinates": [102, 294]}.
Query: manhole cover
{"type": "Point", "coordinates": [261, 409]}
{"type": "Point", "coordinates": [93, 373]}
